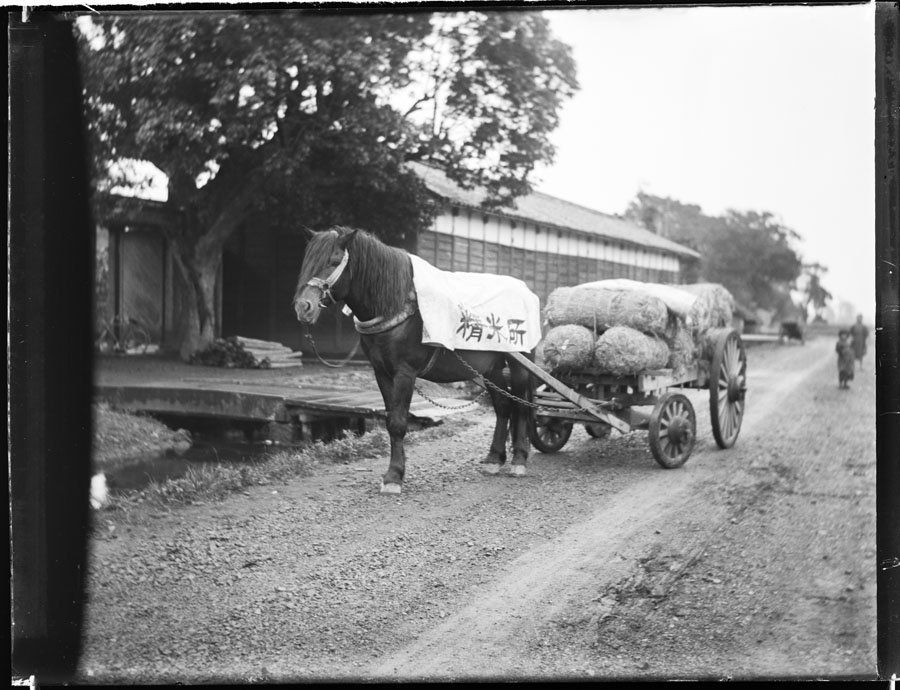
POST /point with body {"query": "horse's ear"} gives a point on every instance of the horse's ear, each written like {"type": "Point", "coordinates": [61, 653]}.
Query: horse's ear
{"type": "Point", "coordinates": [345, 240]}
{"type": "Point", "coordinates": [307, 233]}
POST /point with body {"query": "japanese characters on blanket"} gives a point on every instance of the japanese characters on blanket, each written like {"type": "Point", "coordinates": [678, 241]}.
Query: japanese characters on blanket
{"type": "Point", "coordinates": [475, 311]}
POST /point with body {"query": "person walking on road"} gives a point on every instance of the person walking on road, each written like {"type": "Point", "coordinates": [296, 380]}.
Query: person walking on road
{"type": "Point", "coordinates": [859, 334]}
{"type": "Point", "coordinates": [845, 352]}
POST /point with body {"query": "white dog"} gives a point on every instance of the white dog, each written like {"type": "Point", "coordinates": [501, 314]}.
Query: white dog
{"type": "Point", "coordinates": [99, 492]}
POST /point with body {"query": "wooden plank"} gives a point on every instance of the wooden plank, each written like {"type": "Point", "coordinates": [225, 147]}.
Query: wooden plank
{"type": "Point", "coordinates": [258, 344]}
{"type": "Point", "coordinates": [460, 254]}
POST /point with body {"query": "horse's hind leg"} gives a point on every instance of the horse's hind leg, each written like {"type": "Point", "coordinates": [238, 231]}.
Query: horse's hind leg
{"type": "Point", "coordinates": [496, 457]}
{"type": "Point", "coordinates": [521, 386]}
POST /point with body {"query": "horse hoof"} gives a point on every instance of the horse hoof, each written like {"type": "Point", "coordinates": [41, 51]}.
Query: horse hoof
{"type": "Point", "coordinates": [517, 471]}
{"type": "Point", "coordinates": [491, 468]}
{"type": "Point", "coordinates": [390, 488]}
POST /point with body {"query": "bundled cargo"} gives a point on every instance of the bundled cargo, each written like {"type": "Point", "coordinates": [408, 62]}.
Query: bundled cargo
{"type": "Point", "coordinates": [567, 347]}
{"type": "Point", "coordinates": [678, 301]}
{"type": "Point", "coordinates": [622, 350]}
{"type": "Point", "coordinates": [683, 349]}
{"type": "Point", "coordinates": [713, 308]}
{"type": "Point", "coordinates": [599, 309]}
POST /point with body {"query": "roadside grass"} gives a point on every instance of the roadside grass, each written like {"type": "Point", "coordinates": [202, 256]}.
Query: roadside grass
{"type": "Point", "coordinates": [211, 482]}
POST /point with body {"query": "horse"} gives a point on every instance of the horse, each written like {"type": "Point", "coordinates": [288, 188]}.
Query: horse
{"type": "Point", "coordinates": [376, 282]}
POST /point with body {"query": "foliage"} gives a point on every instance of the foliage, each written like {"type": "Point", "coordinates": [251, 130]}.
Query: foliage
{"type": "Point", "coordinates": [817, 296]}
{"type": "Point", "coordinates": [307, 117]}
{"type": "Point", "coordinates": [670, 218]}
{"type": "Point", "coordinates": [750, 253]}
{"type": "Point", "coordinates": [230, 353]}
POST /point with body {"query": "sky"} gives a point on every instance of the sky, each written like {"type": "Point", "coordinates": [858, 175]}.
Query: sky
{"type": "Point", "coordinates": [749, 108]}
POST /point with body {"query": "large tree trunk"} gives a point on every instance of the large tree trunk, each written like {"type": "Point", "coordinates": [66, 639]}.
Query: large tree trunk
{"type": "Point", "coordinates": [199, 326]}
{"type": "Point", "coordinates": [198, 256]}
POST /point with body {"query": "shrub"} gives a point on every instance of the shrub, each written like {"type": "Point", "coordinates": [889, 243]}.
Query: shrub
{"type": "Point", "coordinates": [230, 353]}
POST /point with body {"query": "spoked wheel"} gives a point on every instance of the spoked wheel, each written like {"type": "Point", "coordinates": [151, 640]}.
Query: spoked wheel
{"type": "Point", "coordinates": [673, 429]}
{"type": "Point", "coordinates": [727, 388]}
{"type": "Point", "coordinates": [597, 430]}
{"type": "Point", "coordinates": [549, 434]}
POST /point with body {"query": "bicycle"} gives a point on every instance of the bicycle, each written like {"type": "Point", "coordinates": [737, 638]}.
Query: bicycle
{"type": "Point", "coordinates": [122, 336]}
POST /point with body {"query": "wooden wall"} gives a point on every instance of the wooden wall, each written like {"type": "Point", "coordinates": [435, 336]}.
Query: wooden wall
{"type": "Point", "coordinates": [260, 271]}
{"type": "Point", "coordinates": [545, 258]}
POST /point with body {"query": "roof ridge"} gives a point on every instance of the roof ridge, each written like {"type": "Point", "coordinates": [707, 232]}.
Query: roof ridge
{"type": "Point", "coordinates": [450, 190]}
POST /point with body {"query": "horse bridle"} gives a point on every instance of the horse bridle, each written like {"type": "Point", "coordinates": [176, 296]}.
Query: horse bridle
{"type": "Point", "coordinates": [325, 284]}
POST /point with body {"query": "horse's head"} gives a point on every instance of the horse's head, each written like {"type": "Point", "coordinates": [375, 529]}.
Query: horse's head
{"type": "Point", "coordinates": [324, 275]}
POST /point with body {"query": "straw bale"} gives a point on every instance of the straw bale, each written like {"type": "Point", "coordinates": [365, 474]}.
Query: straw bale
{"type": "Point", "coordinates": [683, 349]}
{"type": "Point", "coordinates": [622, 350]}
{"type": "Point", "coordinates": [600, 309]}
{"type": "Point", "coordinates": [714, 307]}
{"type": "Point", "coordinates": [567, 347]}
{"type": "Point", "coordinates": [678, 301]}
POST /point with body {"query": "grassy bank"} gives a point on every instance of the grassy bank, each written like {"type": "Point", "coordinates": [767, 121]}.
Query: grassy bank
{"type": "Point", "coordinates": [208, 482]}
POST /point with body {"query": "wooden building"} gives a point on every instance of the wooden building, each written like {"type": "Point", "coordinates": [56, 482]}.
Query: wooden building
{"type": "Point", "coordinates": [135, 276]}
{"type": "Point", "coordinates": [545, 241]}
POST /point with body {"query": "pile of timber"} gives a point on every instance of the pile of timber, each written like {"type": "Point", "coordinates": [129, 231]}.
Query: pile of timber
{"type": "Point", "coordinates": [279, 355]}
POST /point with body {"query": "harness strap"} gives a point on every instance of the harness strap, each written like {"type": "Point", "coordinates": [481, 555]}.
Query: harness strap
{"type": "Point", "coordinates": [326, 284]}
{"type": "Point", "coordinates": [379, 324]}
{"type": "Point", "coordinates": [431, 362]}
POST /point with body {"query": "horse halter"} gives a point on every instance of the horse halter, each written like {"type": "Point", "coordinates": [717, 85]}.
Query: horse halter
{"type": "Point", "coordinates": [326, 284]}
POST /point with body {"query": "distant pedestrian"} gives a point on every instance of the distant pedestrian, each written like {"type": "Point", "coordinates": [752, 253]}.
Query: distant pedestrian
{"type": "Point", "coordinates": [860, 334]}
{"type": "Point", "coordinates": [844, 350]}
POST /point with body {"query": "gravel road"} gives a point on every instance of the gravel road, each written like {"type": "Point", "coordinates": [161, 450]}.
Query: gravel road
{"type": "Point", "coordinates": [758, 561]}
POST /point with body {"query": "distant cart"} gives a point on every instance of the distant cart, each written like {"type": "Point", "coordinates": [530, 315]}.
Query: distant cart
{"type": "Point", "coordinates": [602, 402]}
{"type": "Point", "coordinates": [791, 330]}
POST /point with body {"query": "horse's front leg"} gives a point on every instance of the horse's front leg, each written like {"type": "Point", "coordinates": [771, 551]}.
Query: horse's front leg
{"type": "Point", "coordinates": [397, 392]}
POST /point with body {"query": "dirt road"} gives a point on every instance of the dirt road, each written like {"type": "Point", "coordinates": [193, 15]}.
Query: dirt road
{"type": "Point", "coordinates": [757, 561]}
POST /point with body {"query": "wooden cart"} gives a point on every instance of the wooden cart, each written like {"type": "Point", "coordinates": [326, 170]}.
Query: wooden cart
{"type": "Point", "coordinates": [603, 402]}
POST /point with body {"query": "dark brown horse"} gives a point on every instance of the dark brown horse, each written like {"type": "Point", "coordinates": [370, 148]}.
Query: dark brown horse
{"type": "Point", "coordinates": [376, 282]}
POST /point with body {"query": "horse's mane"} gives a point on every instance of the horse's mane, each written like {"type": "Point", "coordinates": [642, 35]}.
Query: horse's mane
{"type": "Point", "coordinates": [381, 275]}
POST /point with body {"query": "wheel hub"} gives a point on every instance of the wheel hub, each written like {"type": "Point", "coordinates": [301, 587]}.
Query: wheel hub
{"type": "Point", "coordinates": [678, 430]}
{"type": "Point", "coordinates": [736, 388]}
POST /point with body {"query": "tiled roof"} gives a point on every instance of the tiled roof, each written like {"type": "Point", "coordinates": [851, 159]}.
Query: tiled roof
{"type": "Point", "coordinates": [549, 210]}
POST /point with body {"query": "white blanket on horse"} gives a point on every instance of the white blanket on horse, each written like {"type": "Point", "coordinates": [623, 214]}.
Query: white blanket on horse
{"type": "Point", "coordinates": [476, 311]}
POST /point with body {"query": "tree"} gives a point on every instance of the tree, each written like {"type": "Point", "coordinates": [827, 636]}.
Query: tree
{"type": "Point", "coordinates": [817, 296]}
{"type": "Point", "coordinates": [749, 253]}
{"type": "Point", "coordinates": [310, 116]}
{"type": "Point", "coordinates": [670, 218]}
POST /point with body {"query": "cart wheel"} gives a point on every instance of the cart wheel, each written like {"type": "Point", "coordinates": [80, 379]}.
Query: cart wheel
{"type": "Point", "coordinates": [597, 430]}
{"type": "Point", "coordinates": [673, 429]}
{"type": "Point", "coordinates": [549, 434]}
{"type": "Point", "coordinates": [727, 388]}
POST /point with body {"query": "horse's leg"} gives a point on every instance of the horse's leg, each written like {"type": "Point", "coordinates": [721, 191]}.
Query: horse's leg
{"type": "Point", "coordinates": [521, 387]}
{"type": "Point", "coordinates": [496, 456]}
{"type": "Point", "coordinates": [397, 393]}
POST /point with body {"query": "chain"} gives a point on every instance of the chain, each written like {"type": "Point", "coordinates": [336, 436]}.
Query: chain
{"type": "Point", "coordinates": [451, 407]}
{"type": "Point", "coordinates": [502, 391]}
{"type": "Point", "coordinates": [340, 364]}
